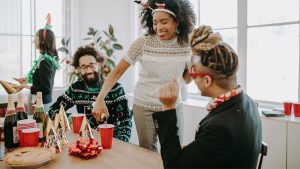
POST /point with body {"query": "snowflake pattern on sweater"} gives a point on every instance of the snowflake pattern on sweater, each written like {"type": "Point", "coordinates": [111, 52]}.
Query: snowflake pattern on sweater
{"type": "Point", "coordinates": [160, 62]}
{"type": "Point", "coordinates": [119, 113]}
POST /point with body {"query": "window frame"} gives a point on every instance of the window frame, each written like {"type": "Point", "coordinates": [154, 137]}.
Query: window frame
{"type": "Point", "coordinates": [242, 48]}
{"type": "Point", "coordinates": [66, 28]}
{"type": "Point", "coordinates": [242, 29]}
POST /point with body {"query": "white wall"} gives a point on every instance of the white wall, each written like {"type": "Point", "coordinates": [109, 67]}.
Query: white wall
{"type": "Point", "coordinates": [100, 13]}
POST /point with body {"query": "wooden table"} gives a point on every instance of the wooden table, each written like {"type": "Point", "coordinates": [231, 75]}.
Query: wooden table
{"type": "Point", "coordinates": [121, 155]}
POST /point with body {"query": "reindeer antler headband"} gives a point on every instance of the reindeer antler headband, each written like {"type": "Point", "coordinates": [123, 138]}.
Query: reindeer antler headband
{"type": "Point", "coordinates": [48, 25]}
{"type": "Point", "coordinates": [160, 8]}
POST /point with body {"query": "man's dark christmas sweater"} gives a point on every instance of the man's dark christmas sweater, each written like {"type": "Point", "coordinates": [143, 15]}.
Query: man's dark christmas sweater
{"type": "Point", "coordinates": [82, 97]}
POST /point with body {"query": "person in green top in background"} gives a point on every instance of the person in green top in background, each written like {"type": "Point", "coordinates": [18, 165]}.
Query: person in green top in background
{"type": "Point", "coordinates": [83, 94]}
{"type": "Point", "coordinates": [42, 73]}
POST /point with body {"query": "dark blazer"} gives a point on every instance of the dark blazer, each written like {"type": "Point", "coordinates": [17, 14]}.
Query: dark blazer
{"type": "Point", "coordinates": [228, 137]}
{"type": "Point", "coordinates": [43, 80]}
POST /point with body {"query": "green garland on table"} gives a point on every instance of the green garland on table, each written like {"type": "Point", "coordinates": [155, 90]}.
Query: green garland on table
{"type": "Point", "coordinates": [36, 64]}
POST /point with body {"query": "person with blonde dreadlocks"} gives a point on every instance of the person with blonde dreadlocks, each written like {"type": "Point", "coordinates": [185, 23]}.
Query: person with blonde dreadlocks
{"type": "Point", "coordinates": [230, 135]}
{"type": "Point", "coordinates": [42, 73]}
{"type": "Point", "coordinates": [162, 54]}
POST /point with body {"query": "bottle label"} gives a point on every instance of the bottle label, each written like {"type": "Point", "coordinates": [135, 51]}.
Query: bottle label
{"type": "Point", "coordinates": [15, 135]}
{"type": "Point", "coordinates": [10, 112]}
{"type": "Point", "coordinates": [40, 126]}
{"type": "Point", "coordinates": [39, 109]}
{"type": "Point", "coordinates": [18, 109]}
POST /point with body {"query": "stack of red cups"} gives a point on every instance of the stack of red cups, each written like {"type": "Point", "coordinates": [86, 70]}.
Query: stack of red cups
{"type": "Point", "coordinates": [24, 124]}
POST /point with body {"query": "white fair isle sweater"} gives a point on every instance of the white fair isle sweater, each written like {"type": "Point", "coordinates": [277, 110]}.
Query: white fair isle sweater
{"type": "Point", "coordinates": [160, 62]}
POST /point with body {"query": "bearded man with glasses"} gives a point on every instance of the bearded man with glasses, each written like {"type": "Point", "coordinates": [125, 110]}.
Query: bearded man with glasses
{"type": "Point", "coordinates": [83, 94]}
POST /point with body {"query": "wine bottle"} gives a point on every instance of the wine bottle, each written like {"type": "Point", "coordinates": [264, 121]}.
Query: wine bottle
{"type": "Point", "coordinates": [11, 137]}
{"type": "Point", "coordinates": [40, 116]}
{"type": "Point", "coordinates": [21, 112]}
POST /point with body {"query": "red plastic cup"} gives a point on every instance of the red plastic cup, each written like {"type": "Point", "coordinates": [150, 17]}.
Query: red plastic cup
{"type": "Point", "coordinates": [106, 134]}
{"type": "Point", "coordinates": [76, 122]}
{"type": "Point", "coordinates": [21, 138]}
{"type": "Point", "coordinates": [296, 109]}
{"type": "Point", "coordinates": [31, 137]}
{"type": "Point", "coordinates": [24, 124]}
{"type": "Point", "coordinates": [287, 108]}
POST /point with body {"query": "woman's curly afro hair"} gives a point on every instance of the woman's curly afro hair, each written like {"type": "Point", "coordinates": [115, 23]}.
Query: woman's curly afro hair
{"type": "Point", "coordinates": [183, 10]}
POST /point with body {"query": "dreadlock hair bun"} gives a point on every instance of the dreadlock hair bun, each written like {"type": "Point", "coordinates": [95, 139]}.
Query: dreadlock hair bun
{"type": "Point", "coordinates": [214, 54]}
{"type": "Point", "coordinates": [203, 39]}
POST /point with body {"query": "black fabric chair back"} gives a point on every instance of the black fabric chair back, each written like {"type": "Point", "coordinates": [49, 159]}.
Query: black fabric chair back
{"type": "Point", "coordinates": [263, 152]}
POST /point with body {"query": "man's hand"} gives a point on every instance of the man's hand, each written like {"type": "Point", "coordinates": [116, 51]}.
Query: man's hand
{"type": "Point", "coordinates": [100, 111]}
{"type": "Point", "coordinates": [168, 95]}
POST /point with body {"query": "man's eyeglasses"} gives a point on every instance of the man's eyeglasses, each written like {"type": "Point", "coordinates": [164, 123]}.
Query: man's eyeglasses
{"type": "Point", "coordinates": [194, 74]}
{"type": "Point", "coordinates": [92, 66]}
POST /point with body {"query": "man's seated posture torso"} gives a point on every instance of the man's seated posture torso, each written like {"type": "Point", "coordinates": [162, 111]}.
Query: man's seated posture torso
{"type": "Point", "coordinates": [83, 93]}
{"type": "Point", "coordinates": [82, 98]}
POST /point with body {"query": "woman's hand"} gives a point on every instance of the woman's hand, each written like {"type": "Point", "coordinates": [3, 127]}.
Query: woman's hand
{"type": "Point", "coordinates": [100, 111]}
{"type": "Point", "coordinates": [21, 80]}
{"type": "Point", "coordinates": [168, 95]}
{"type": "Point", "coordinates": [17, 87]}
{"type": "Point", "coordinates": [20, 87]}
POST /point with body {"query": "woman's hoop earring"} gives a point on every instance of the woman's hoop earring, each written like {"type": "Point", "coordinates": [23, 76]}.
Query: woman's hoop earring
{"type": "Point", "coordinates": [177, 30]}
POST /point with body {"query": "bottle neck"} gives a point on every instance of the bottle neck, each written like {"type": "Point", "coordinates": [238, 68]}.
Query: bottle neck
{"type": "Point", "coordinates": [10, 104]}
{"type": "Point", "coordinates": [39, 102]}
{"type": "Point", "coordinates": [10, 108]}
{"type": "Point", "coordinates": [20, 103]}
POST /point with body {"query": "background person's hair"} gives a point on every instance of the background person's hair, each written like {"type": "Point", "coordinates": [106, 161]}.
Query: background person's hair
{"type": "Point", "coordinates": [47, 44]}
{"type": "Point", "coordinates": [220, 59]}
{"type": "Point", "coordinates": [86, 50]}
{"type": "Point", "coordinates": [183, 10]}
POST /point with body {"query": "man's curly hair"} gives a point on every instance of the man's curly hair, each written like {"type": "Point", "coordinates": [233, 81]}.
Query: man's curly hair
{"type": "Point", "coordinates": [86, 50]}
{"type": "Point", "coordinates": [183, 10]}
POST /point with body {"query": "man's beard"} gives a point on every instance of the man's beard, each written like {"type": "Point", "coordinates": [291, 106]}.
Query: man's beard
{"type": "Point", "coordinates": [91, 82]}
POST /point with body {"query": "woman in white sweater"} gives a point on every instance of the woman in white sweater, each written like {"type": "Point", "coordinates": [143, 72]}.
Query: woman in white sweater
{"type": "Point", "coordinates": [162, 53]}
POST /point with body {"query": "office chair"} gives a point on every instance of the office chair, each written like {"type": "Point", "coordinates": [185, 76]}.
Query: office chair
{"type": "Point", "coordinates": [263, 152]}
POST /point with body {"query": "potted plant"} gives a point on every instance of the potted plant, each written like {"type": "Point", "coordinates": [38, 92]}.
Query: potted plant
{"type": "Point", "coordinates": [73, 75]}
